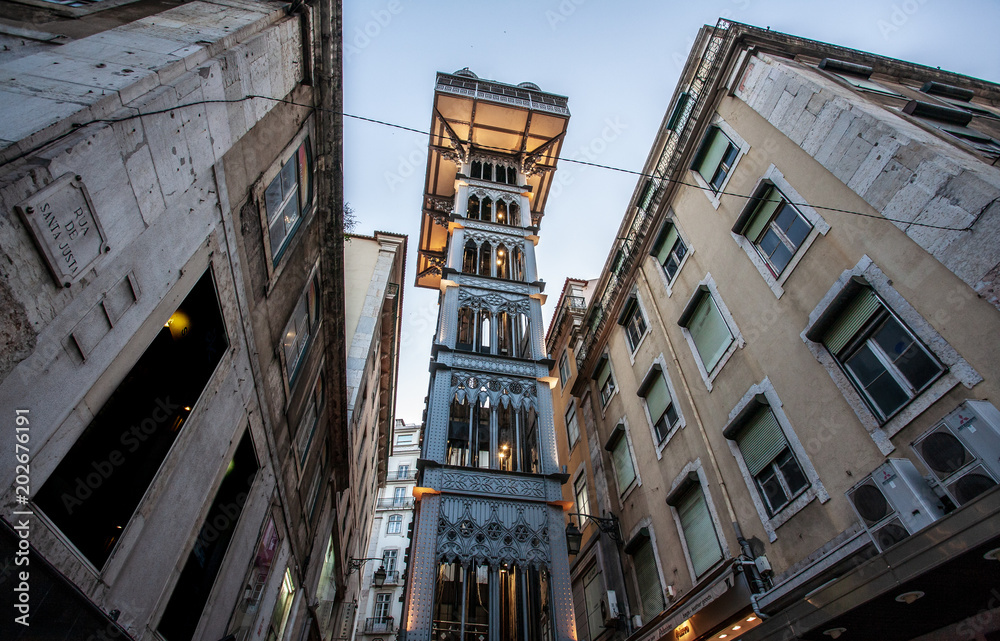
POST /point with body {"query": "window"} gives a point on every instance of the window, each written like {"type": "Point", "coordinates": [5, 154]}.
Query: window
{"type": "Point", "coordinates": [402, 472]}
{"type": "Point", "coordinates": [882, 358]}
{"type": "Point", "coordinates": [572, 427]}
{"type": "Point", "coordinates": [288, 198]}
{"type": "Point", "coordinates": [134, 431]}
{"type": "Point", "coordinates": [707, 328]}
{"type": "Point", "coordinates": [593, 594]}
{"type": "Point", "coordinates": [646, 575]}
{"type": "Point", "coordinates": [715, 158]}
{"type": "Point", "coordinates": [775, 228]}
{"type": "Point", "coordinates": [696, 525]}
{"type": "Point", "coordinates": [395, 524]}
{"type": "Point", "coordinates": [282, 608]}
{"type": "Point", "coordinates": [770, 461]}
{"type": "Point", "coordinates": [389, 559]}
{"type": "Point", "coordinates": [399, 495]}
{"type": "Point", "coordinates": [404, 439]}
{"type": "Point", "coordinates": [632, 320]}
{"type": "Point", "coordinates": [256, 580]}
{"type": "Point", "coordinates": [307, 426]}
{"type": "Point", "coordinates": [183, 611]}
{"type": "Point", "coordinates": [564, 372]}
{"type": "Point", "coordinates": [383, 606]}
{"type": "Point", "coordinates": [621, 458]}
{"type": "Point", "coordinates": [581, 495]}
{"type": "Point", "coordinates": [605, 380]}
{"type": "Point", "coordinates": [669, 251]}
{"type": "Point", "coordinates": [856, 75]}
{"type": "Point", "coordinates": [299, 329]}
{"type": "Point", "coordinates": [661, 407]}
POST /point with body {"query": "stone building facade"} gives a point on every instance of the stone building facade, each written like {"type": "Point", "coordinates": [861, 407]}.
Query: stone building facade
{"type": "Point", "coordinates": [174, 319]}
{"type": "Point", "coordinates": [488, 557]}
{"type": "Point", "coordinates": [788, 361]}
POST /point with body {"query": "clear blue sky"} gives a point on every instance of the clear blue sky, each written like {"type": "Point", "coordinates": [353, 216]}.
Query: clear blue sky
{"type": "Point", "coordinates": [618, 63]}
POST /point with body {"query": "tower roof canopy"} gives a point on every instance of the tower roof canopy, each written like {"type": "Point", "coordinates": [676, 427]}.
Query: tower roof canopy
{"type": "Point", "coordinates": [483, 116]}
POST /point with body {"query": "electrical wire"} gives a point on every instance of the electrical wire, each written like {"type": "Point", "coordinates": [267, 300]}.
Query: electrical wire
{"type": "Point", "coordinates": [78, 126]}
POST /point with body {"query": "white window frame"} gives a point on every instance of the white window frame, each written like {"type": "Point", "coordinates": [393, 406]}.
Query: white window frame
{"type": "Point", "coordinates": [669, 283]}
{"type": "Point", "coordinates": [564, 365]}
{"type": "Point", "coordinates": [738, 341]}
{"type": "Point", "coordinates": [571, 442]}
{"type": "Point", "coordinates": [581, 473]}
{"type": "Point", "coordinates": [744, 147]}
{"type": "Point", "coordinates": [695, 467]}
{"type": "Point", "coordinates": [623, 493]}
{"type": "Point", "coordinates": [957, 369]}
{"type": "Point", "coordinates": [647, 523]}
{"type": "Point", "coordinates": [640, 309]}
{"type": "Point", "coordinates": [661, 362]}
{"type": "Point", "coordinates": [614, 392]}
{"type": "Point", "coordinates": [819, 227]}
{"type": "Point", "coordinates": [389, 522]}
{"type": "Point", "coordinates": [814, 490]}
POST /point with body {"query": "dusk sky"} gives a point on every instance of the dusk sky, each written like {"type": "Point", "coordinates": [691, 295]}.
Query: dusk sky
{"type": "Point", "coordinates": [618, 63]}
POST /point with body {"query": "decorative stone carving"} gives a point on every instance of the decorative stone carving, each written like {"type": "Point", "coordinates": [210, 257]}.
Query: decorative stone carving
{"type": "Point", "coordinates": [511, 286]}
{"type": "Point", "coordinates": [495, 364]}
{"type": "Point", "coordinates": [494, 302]}
{"type": "Point", "coordinates": [479, 238]}
{"type": "Point", "coordinates": [493, 532]}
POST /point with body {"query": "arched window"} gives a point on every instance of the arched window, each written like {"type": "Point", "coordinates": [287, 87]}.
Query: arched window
{"type": "Point", "coordinates": [529, 441]}
{"type": "Point", "coordinates": [458, 433]}
{"type": "Point", "coordinates": [481, 434]}
{"type": "Point", "coordinates": [470, 258]}
{"type": "Point", "coordinates": [395, 524]}
{"type": "Point", "coordinates": [485, 259]}
{"type": "Point", "coordinates": [486, 213]}
{"type": "Point", "coordinates": [485, 333]}
{"type": "Point", "coordinates": [487, 171]}
{"type": "Point", "coordinates": [503, 262]}
{"type": "Point", "coordinates": [466, 329]}
{"type": "Point", "coordinates": [505, 344]}
{"type": "Point", "coordinates": [511, 176]}
{"type": "Point", "coordinates": [477, 169]}
{"type": "Point", "coordinates": [507, 441]}
{"type": "Point", "coordinates": [517, 264]}
{"type": "Point", "coordinates": [514, 215]}
{"type": "Point", "coordinates": [473, 212]}
{"type": "Point", "coordinates": [502, 212]}
{"type": "Point", "coordinates": [521, 336]}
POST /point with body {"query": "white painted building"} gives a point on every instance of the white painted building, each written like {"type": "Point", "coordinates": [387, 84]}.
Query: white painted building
{"type": "Point", "coordinates": [380, 606]}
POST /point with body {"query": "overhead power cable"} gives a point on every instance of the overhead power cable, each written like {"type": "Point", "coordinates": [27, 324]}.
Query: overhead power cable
{"type": "Point", "coordinates": [78, 126]}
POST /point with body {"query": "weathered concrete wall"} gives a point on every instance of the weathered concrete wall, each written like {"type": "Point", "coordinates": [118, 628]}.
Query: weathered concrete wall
{"type": "Point", "coordinates": [901, 170]}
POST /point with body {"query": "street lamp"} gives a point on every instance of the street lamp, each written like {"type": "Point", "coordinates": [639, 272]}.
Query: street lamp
{"type": "Point", "coordinates": [378, 579]}
{"type": "Point", "coordinates": [607, 525]}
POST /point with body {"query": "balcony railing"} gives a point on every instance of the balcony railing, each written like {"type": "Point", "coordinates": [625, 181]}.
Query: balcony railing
{"type": "Point", "coordinates": [391, 577]}
{"type": "Point", "coordinates": [402, 475]}
{"type": "Point", "coordinates": [379, 624]}
{"type": "Point", "coordinates": [395, 504]}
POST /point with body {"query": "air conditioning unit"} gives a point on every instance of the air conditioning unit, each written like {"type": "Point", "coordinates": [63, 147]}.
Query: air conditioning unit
{"type": "Point", "coordinates": [963, 451]}
{"type": "Point", "coordinates": [609, 608]}
{"type": "Point", "coordinates": [894, 501]}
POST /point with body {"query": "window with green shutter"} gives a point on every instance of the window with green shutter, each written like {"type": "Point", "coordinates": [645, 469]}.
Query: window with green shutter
{"type": "Point", "coordinates": [769, 460]}
{"type": "Point", "coordinates": [662, 411]}
{"type": "Point", "coordinates": [621, 458]}
{"type": "Point", "coordinates": [715, 158]}
{"type": "Point", "coordinates": [883, 359]}
{"type": "Point", "coordinates": [646, 575]}
{"type": "Point", "coordinates": [699, 533]}
{"type": "Point", "coordinates": [605, 380]}
{"type": "Point", "coordinates": [593, 590]}
{"type": "Point", "coordinates": [669, 250]}
{"type": "Point", "coordinates": [709, 331]}
{"type": "Point", "coordinates": [775, 228]}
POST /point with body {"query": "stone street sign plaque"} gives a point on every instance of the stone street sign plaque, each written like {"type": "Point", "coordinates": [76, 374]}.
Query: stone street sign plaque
{"type": "Point", "coordinates": [62, 220]}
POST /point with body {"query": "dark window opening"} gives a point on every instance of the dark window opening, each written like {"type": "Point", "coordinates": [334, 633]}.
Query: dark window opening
{"type": "Point", "coordinates": [477, 169]}
{"type": "Point", "coordinates": [191, 593]}
{"type": "Point", "coordinates": [485, 260]}
{"type": "Point", "coordinates": [98, 485]}
{"type": "Point", "coordinates": [486, 213]}
{"type": "Point", "coordinates": [473, 210]}
{"type": "Point", "coordinates": [514, 215]}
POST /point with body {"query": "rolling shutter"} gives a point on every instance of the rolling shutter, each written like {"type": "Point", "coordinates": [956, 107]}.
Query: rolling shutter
{"type": "Point", "coordinates": [765, 210]}
{"type": "Point", "coordinates": [858, 312]}
{"type": "Point", "coordinates": [650, 592]}
{"type": "Point", "coordinates": [703, 546]}
{"type": "Point", "coordinates": [668, 243]}
{"type": "Point", "coordinates": [761, 441]}
{"type": "Point", "coordinates": [657, 398]}
{"type": "Point", "coordinates": [710, 333]}
{"type": "Point", "coordinates": [623, 464]}
{"type": "Point", "coordinates": [605, 373]}
{"type": "Point", "coordinates": [712, 153]}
